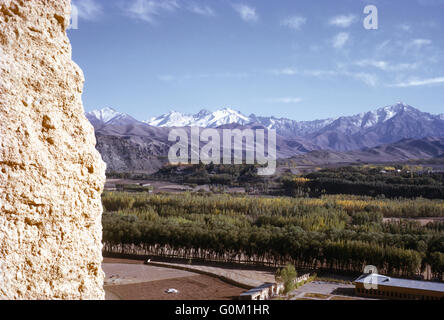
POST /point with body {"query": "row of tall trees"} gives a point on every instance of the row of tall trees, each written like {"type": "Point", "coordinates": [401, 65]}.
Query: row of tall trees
{"type": "Point", "coordinates": [391, 182]}
{"type": "Point", "coordinates": [309, 233]}
{"type": "Point", "coordinates": [276, 206]}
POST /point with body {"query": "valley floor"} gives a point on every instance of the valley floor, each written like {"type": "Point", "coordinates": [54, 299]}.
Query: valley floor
{"type": "Point", "coordinates": [132, 280]}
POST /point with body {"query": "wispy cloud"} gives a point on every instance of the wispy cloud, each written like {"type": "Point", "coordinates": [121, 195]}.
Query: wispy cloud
{"type": "Point", "coordinates": [285, 72]}
{"type": "Point", "coordinates": [419, 43]}
{"type": "Point", "coordinates": [170, 78]}
{"type": "Point", "coordinates": [286, 100]}
{"type": "Point", "coordinates": [321, 73]}
{"type": "Point", "coordinates": [415, 45]}
{"type": "Point", "coordinates": [383, 65]}
{"type": "Point", "coordinates": [386, 66]}
{"type": "Point", "coordinates": [384, 47]}
{"type": "Point", "coordinates": [419, 82]}
{"type": "Point", "coordinates": [420, 48]}
{"type": "Point", "coordinates": [88, 9]}
{"type": "Point", "coordinates": [201, 10]}
{"type": "Point", "coordinates": [149, 10]}
{"type": "Point", "coordinates": [247, 13]}
{"type": "Point", "coordinates": [312, 73]}
{"type": "Point", "coordinates": [340, 40]}
{"type": "Point", "coordinates": [295, 22]}
{"type": "Point", "coordinates": [343, 21]}
{"type": "Point", "coordinates": [367, 78]}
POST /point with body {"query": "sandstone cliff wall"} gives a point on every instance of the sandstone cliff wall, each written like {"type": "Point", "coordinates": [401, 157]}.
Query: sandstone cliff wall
{"type": "Point", "coordinates": [51, 176]}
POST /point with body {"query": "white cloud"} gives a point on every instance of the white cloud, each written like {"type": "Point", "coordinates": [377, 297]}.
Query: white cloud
{"type": "Point", "coordinates": [217, 75]}
{"type": "Point", "coordinates": [320, 73]}
{"type": "Point", "coordinates": [197, 76]}
{"type": "Point", "coordinates": [368, 78]}
{"type": "Point", "coordinates": [343, 21]}
{"type": "Point", "coordinates": [415, 45]}
{"type": "Point", "coordinates": [148, 10]}
{"type": "Point", "coordinates": [295, 22]}
{"type": "Point", "coordinates": [285, 100]}
{"type": "Point", "coordinates": [420, 42]}
{"type": "Point", "coordinates": [285, 72]}
{"type": "Point", "coordinates": [383, 65]}
{"type": "Point", "coordinates": [201, 10]}
{"type": "Point", "coordinates": [421, 49]}
{"type": "Point", "coordinates": [386, 66]}
{"type": "Point", "coordinates": [340, 40]}
{"type": "Point", "coordinates": [419, 82]}
{"type": "Point", "coordinates": [88, 9]}
{"type": "Point", "coordinates": [247, 13]}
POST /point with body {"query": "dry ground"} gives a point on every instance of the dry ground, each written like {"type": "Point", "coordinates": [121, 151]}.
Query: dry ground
{"type": "Point", "coordinates": [131, 280]}
{"type": "Point", "coordinates": [244, 277]}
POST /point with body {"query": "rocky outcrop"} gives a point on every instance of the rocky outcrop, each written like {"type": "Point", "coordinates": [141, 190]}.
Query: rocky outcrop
{"type": "Point", "coordinates": [51, 176]}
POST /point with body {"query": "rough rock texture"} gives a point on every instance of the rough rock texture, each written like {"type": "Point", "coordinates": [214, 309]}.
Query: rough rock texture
{"type": "Point", "coordinates": [51, 176]}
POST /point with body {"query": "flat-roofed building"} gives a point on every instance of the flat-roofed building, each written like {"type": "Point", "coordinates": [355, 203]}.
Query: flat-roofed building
{"type": "Point", "coordinates": [379, 286]}
{"type": "Point", "coordinates": [263, 292]}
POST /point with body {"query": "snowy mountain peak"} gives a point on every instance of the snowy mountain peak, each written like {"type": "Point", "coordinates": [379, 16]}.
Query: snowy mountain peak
{"type": "Point", "coordinates": [203, 118]}
{"type": "Point", "coordinates": [382, 115]}
{"type": "Point", "coordinates": [104, 115]}
{"type": "Point", "coordinates": [402, 104]}
{"type": "Point", "coordinates": [108, 116]}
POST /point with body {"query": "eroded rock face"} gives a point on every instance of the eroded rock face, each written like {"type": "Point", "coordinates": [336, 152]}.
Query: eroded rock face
{"type": "Point", "coordinates": [51, 176]}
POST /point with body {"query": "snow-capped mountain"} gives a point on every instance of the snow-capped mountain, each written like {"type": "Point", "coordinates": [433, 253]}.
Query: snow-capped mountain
{"type": "Point", "coordinates": [208, 119]}
{"type": "Point", "coordinates": [104, 115]}
{"type": "Point", "coordinates": [127, 144]}
{"type": "Point", "coordinates": [382, 115]}
{"type": "Point", "coordinates": [204, 118]}
{"type": "Point", "coordinates": [369, 129]}
{"type": "Point", "coordinates": [382, 126]}
{"type": "Point", "coordinates": [288, 127]}
{"type": "Point", "coordinates": [108, 116]}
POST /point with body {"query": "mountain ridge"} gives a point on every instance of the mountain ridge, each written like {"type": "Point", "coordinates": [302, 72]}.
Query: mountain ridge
{"type": "Point", "coordinates": [403, 150]}
{"type": "Point", "coordinates": [368, 129]}
{"type": "Point", "coordinates": [129, 144]}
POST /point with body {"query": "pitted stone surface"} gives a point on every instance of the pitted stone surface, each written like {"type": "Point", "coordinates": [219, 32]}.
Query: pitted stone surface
{"type": "Point", "coordinates": [51, 176]}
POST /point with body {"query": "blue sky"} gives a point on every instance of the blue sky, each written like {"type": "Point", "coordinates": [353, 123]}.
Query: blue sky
{"type": "Point", "coordinates": [304, 59]}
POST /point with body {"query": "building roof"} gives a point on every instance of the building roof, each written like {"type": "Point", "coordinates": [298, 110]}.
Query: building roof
{"type": "Point", "coordinates": [382, 280]}
{"type": "Point", "coordinates": [258, 289]}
